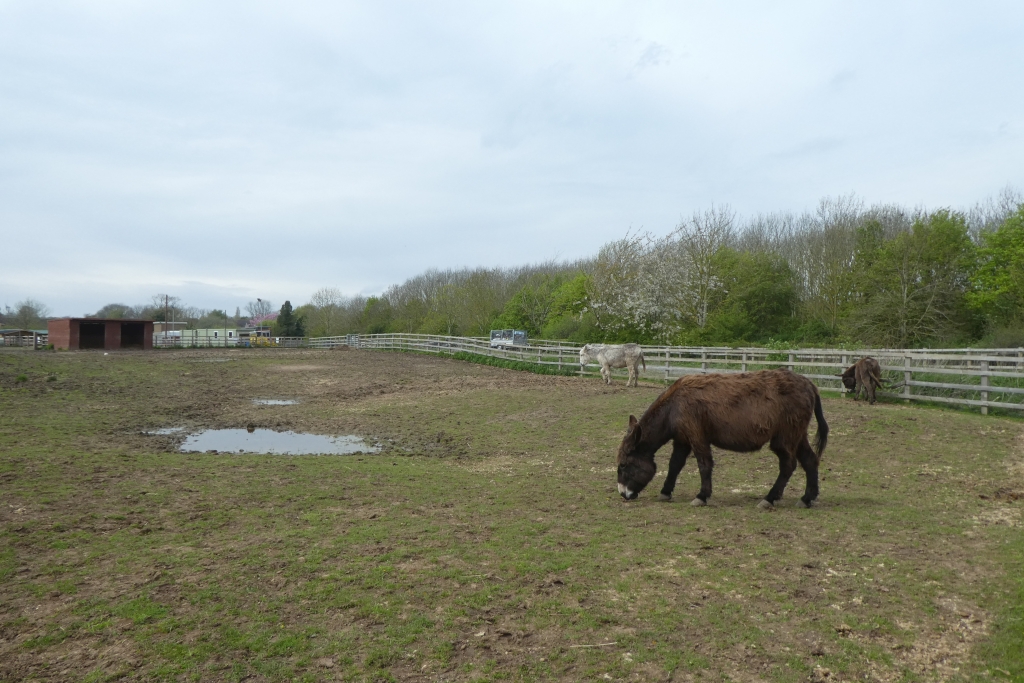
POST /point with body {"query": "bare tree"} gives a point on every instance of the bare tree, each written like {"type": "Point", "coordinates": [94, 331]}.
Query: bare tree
{"type": "Point", "coordinates": [259, 308]}
{"type": "Point", "coordinates": [701, 239]}
{"type": "Point", "coordinates": [28, 314]}
{"type": "Point", "coordinates": [169, 306]}
{"type": "Point", "coordinates": [327, 311]}
{"type": "Point", "coordinates": [770, 233]}
{"type": "Point", "coordinates": [823, 257]}
{"type": "Point", "coordinates": [989, 214]}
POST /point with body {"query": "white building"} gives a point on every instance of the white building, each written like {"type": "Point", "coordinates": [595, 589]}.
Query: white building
{"type": "Point", "coordinates": [209, 337]}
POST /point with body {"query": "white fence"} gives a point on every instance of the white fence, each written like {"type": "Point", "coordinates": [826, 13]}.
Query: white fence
{"type": "Point", "coordinates": [985, 378]}
{"type": "Point", "coordinates": [172, 342]}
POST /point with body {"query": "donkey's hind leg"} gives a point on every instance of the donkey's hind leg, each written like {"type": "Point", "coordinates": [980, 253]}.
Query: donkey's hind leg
{"type": "Point", "coordinates": [809, 462]}
{"type": "Point", "coordinates": [787, 464]}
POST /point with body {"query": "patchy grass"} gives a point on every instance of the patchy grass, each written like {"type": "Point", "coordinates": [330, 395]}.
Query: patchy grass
{"type": "Point", "coordinates": [569, 369]}
{"type": "Point", "coordinates": [487, 541]}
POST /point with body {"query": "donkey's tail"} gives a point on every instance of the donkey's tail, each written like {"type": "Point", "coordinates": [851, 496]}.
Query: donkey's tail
{"type": "Point", "coordinates": [643, 361]}
{"type": "Point", "coordinates": [822, 438]}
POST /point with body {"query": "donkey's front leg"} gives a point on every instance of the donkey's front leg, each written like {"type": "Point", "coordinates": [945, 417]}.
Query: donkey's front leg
{"type": "Point", "coordinates": [680, 452]}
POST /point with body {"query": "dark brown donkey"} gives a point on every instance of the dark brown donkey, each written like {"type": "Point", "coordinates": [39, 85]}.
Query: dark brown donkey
{"type": "Point", "coordinates": [866, 375]}
{"type": "Point", "coordinates": [739, 412]}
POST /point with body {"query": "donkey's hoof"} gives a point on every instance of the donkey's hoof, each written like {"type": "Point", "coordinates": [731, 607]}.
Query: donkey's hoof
{"type": "Point", "coordinates": [664, 497]}
{"type": "Point", "coordinates": [766, 505]}
{"type": "Point", "coordinates": [803, 504]}
{"type": "Point", "coordinates": [698, 503]}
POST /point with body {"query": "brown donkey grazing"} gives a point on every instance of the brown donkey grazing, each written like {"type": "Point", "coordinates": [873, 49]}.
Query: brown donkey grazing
{"type": "Point", "coordinates": [866, 375]}
{"type": "Point", "coordinates": [739, 412]}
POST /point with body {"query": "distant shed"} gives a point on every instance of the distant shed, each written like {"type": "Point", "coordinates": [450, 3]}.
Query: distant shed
{"type": "Point", "coordinates": [100, 333]}
{"type": "Point", "coordinates": [22, 337]}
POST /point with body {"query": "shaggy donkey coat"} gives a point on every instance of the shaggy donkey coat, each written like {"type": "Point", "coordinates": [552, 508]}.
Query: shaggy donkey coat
{"type": "Point", "coordinates": [866, 375]}
{"type": "Point", "coordinates": [740, 412]}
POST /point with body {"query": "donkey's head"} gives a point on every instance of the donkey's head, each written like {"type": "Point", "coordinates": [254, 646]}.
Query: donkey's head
{"type": "Point", "coordinates": [636, 462]}
{"type": "Point", "coordinates": [585, 356]}
{"type": "Point", "coordinates": [849, 378]}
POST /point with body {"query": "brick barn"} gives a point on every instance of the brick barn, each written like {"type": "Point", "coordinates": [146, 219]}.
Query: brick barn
{"type": "Point", "coordinates": [100, 333]}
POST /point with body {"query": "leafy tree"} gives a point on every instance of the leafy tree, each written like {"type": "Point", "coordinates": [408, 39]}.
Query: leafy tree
{"type": "Point", "coordinates": [914, 285]}
{"type": "Point", "coordinates": [288, 324]}
{"type": "Point", "coordinates": [760, 297]}
{"type": "Point", "coordinates": [116, 311]}
{"type": "Point", "coordinates": [376, 315]}
{"type": "Point", "coordinates": [213, 319]}
{"type": "Point", "coordinates": [530, 307]}
{"type": "Point", "coordinates": [570, 316]}
{"type": "Point", "coordinates": [998, 289]}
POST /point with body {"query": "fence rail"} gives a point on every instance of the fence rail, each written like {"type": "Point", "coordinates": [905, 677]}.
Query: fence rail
{"type": "Point", "coordinates": [205, 342]}
{"type": "Point", "coordinates": [984, 378]}
{"type": "Point", "coordinates": [22, 340]}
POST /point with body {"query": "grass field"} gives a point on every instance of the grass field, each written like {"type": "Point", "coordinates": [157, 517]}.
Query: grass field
{"type": "Point", "coordinates": [486, 541]}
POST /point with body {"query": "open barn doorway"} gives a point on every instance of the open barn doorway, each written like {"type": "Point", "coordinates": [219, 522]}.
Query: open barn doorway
{"type": "Point", "coordinates": [91, 335]}
{"type": "Point", "coordinates": [132, 335]}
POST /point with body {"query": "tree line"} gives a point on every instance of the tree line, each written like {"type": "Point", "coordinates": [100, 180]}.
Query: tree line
{"type": "Point", "coordinates": [881, 275]}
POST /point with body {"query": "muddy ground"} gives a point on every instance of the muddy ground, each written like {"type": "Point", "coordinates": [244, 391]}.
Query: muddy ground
{"type": "Point", "coordinates": [485, 541]}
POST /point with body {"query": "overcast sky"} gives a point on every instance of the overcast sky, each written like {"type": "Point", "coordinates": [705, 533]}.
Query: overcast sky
{"type": "Point", "coordinates": [228, 150]}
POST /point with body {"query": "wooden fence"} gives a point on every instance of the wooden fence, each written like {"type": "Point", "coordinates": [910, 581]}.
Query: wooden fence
{"type": "Point", "coordinates": [205, 342]}
{"type": "Point", "coordinates": [983, 378]}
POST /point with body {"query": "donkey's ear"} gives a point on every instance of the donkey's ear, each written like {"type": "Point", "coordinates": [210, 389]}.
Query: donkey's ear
{"type": "Point", "coordinates": [634, 429]}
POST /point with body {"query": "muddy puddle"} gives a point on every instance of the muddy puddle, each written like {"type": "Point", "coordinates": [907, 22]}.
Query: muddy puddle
{"type": "Point", "coordinates": [269, 442]}
{"type": "Point", "coordinates": [274, 401]}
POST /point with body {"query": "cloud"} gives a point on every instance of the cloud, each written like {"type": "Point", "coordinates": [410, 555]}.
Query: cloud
{"type": "Point", "coordinates": [237, 149]}
{"type": "Point", "coordinates": [654, 55]}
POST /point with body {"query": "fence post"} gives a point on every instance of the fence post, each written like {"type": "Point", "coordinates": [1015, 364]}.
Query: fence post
{"type": "Point", "coordinates": [667, 355]}
{"type": "Point", "coordinates": [743, 365]}
{"type": "Point", "coordinates": [907, 373]}
{"type": "Point", "coordinates": [984, 383]}
{"type": "Point", "coordinates": [559, 358]}
{"type": "Point", "coordinates": [846, 364]}
{"type": "Point", "coordinates": [703, 360]}
{"type": "Point", "coordinates": [791, 366]}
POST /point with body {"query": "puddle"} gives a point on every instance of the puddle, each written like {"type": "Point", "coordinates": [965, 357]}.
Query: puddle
{"type": "Point", "coordinates": [274, 401]}
{"type": "Point", "coordinates": [267, 441]}
{"type": "Point", "coordinates": [164, 431]}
